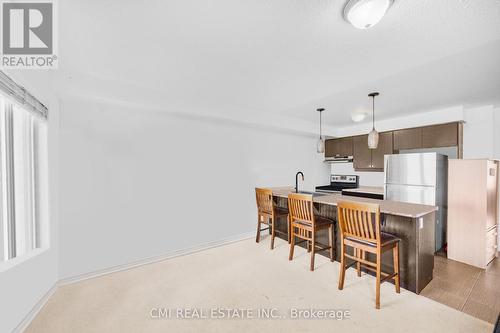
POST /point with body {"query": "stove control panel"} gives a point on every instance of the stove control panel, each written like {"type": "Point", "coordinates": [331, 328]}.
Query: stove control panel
{"type": "Point", "coordinates": [344, 179]}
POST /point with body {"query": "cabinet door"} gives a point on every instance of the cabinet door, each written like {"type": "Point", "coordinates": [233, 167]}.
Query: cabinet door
{"type": "Point", "coordinates": [362, 154]}
{"type": "Point", "coordinates": [445, 135]}
{"type": "Point", "coordinates": [330, 148]}
{"type": "Point", "coordinates": [345, 146]}
{"type": "Point", "coordinates": [338, 147]}
{"type": "Point", "coordinates": [385, 147]}
{"type": "Point", "coordinates": [408, 138]}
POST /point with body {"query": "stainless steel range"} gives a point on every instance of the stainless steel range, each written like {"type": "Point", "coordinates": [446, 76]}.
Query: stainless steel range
{"type": "Point", "coordinates": [339, 183]}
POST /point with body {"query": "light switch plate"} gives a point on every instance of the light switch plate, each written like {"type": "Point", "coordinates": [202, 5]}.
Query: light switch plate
{"type": "Point", "coordinates": [492, 172]}
{"type": "Point", "coordinates": [421, 223]}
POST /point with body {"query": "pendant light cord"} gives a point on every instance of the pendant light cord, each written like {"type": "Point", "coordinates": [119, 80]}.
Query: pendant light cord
{"type": "Point", "coordinates": [373, 111]}
{"type": "Point", "coordinates": [320, 136]}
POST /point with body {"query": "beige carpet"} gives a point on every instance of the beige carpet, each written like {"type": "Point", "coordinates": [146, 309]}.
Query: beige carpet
{"type": "Point", "coordinates": [242, 275]}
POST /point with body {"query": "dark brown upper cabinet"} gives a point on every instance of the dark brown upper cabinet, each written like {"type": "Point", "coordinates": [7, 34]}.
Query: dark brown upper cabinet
{"type": "Point", "coordinates": [365, 159]}
{"type": "Point", "coordinates": [408, 138]}
{"type": "Point", "coordinates": [338, 147]}
{"type": "Point", "coordinates": [385, 147]}
{"type": "Point", "coordinates": [362, 155]}
{"type": "Point", "coordinates": [371, 159]}
{"type": "Point", "coordinates": [445, 135]}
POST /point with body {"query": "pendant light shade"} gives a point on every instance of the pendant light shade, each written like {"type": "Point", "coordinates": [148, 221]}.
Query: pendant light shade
{"type": "Point", "coordinates": [373, 135]}
{"type": "Point", "coordinates": [320, 146]}
{"type": "Point", "coordinates": [373, 139]}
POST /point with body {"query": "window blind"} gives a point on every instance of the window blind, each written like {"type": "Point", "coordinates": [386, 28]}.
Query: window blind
{"type": "Point", "coordinates": [30, 102]}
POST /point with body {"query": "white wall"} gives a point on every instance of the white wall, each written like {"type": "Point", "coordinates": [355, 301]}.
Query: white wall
{"type": "Point", "coordinates": [139, 184]}
{"type": "Point", "coordinates": [479, 132]}
{"type": "Point", "coordinates": [496, 126]}
{"type": "Point", "coordinates": [22, 286]}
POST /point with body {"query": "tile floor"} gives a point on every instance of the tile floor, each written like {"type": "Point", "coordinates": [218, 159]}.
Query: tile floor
{"type": "Point", "coordinates": [466, 288]}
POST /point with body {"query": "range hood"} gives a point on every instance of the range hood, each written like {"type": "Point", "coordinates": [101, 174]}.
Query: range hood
{"type": "Point", "coordinates": [339, 159]}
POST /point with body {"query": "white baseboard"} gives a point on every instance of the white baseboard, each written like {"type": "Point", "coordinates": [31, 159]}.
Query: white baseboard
{"type": "Point", "coordinates": [177, 253]}
{"type": "Point", "coordinates": [146, 261]}
{"type": "Point", "coordinates": [23, 325]}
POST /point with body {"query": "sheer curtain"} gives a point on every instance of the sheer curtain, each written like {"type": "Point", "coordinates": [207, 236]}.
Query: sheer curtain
{"type": "Point", "coordinates": [19, 171]}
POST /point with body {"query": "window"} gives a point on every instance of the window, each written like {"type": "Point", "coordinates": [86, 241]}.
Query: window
{"type": "Point", "coordinates": [22, 164]}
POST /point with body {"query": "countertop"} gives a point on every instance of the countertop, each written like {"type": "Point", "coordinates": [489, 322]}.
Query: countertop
{"type": "Point", "coordinates": [386, 206]}
{"type": "Point", "coordinates": [367, 189]}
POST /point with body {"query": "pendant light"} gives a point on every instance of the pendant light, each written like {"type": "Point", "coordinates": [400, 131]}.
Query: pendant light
{"type": "Point", "coordinates": [320, 148]}
{"type": "Point", "coordinates": [373, 135]}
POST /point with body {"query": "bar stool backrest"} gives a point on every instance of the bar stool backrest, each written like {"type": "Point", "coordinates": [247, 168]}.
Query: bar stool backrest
{"type": "Point", "coordinates": [300, 208]}
{"type": "Point", "coordinates": [360, 221]}
{"type": "Point", "coordinates": [264, 200]}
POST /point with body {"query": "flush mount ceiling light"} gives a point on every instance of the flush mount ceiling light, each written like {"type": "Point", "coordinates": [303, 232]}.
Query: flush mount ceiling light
{"type": "Point", "coordinates": [320, 148]}
{"type": "Point", "coordinates": [364, 14]}
{"type": "Point", "coordinates": [358, 116]}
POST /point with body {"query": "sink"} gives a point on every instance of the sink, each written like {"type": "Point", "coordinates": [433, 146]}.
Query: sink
{"type": "Point", "coordinates": [314, 194]}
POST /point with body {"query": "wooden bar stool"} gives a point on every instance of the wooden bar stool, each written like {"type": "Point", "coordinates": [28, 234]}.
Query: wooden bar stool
{"type": "Point", "coordinates": [359, 225]}
{"type": "Point", "coordinates": [304, 224]}
{"type": "Point", "coordinates": [267, 213]}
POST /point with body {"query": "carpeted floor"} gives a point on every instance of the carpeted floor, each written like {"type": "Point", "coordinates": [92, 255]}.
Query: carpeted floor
{"type": "Point", "coordinates": [242, 279]}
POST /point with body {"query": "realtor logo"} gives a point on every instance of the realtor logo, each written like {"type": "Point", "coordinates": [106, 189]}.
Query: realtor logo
{"type": "Point", "coordinates": [28, 30]}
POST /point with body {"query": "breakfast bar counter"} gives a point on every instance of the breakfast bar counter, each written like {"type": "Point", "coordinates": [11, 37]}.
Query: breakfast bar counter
{"type": "Point", "coordinates": [386, 206]}
{"type": "Point", "coordinates": [414, 224]}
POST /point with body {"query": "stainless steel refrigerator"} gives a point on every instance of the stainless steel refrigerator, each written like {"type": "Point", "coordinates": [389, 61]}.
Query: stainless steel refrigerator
{"type": "Point", "coordinates": [420, 178]}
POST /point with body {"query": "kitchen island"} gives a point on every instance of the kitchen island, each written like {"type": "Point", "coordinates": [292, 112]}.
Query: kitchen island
{"type": "Point", "coordinates": [413, 223]}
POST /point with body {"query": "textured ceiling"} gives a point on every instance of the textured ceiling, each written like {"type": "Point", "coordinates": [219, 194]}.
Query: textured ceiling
{"type": "Point", "coordinates": [237, 58]}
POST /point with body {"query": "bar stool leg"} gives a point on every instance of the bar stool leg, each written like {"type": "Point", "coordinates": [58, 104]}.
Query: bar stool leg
{"type": "Point", "coordinates": [330, 236]}
{"type": "Point", "coordinates": [292, 245]}
{"type": "Point", "coordinates": [395, 256]}
{"type": "Point", "coordinates": [273, 233]}
{"type": "Point", "coordinates": [377, 287]}
{"type": "Point", "coordinates": [342, 265]}
{"type": "Point", "coordinates": [313, 250]}
{"type": "Point", "coordinates": [357, 254]}
{"type": "Point", "coordinates": [288, 228]}
{"type": "Point", "coordinates": [257, 238]}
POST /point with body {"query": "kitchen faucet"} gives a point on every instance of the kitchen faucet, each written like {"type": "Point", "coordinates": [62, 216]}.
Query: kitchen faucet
{"type": "Point", "coordinates": [297, 180]}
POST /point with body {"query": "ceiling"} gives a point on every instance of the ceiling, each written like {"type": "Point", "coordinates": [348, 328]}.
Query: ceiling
{"type": "Point", "coordinates": [236, 58]}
